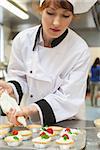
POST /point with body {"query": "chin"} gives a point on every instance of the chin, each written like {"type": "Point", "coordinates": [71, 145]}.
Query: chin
{"type": "Point", "coordinates": [56, 35]}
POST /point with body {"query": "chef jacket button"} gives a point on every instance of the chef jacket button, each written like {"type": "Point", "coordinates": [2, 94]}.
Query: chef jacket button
{"type": "Point", "coordinates": [31, 71]}
{"type": "Point", "coordinates": [31, 95]}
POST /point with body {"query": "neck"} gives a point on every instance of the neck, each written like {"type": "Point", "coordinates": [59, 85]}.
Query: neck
{"type": "Point", "coordinates": [47, 41]}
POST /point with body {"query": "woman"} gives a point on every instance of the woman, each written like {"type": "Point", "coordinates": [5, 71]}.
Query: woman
{"type": "Point", "coordinates": [95, 81]}
{"type": "Point", "coordinates": [95, 70]}
{"type": "Point", "coordinates": [49, 65]}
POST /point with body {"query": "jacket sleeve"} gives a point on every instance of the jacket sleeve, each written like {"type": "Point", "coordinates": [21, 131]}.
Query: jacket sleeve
{"type": "Point", "coordinates": [68, 101]}
{"type": "Point", "coordinates": [16, 70]}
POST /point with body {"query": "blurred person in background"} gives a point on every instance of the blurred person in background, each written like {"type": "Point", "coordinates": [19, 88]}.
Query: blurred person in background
{"type": "Point", "coordinates": [49, 65]}
{"type": "Point", "coordinates": [95, 81]}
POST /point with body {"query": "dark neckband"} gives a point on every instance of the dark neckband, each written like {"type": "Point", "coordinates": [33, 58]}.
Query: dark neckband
{"type": "Point", "coordinates": [55, 42]}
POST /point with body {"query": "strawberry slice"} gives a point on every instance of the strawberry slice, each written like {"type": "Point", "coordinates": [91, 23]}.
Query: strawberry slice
{"type": "Point", "coordinates": [50, 130]}
{"type": "Point", "coordinates": [67, 129]}
{"type": "Point", "coordinates": [14, 132]}
{"type": "Point", "coordinates": [65, 136]}
{"type": "Point", "coordinates": [42, 134]}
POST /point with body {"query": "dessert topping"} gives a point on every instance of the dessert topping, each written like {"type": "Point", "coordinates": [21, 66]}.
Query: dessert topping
{"type": "Point", "coordinates": [16, 138]}
{"type": "Point", "coordinates": [65, 136]}
{"type": "Point", "coordinates": [50, 130]}
{"type": "Point", "coordinates": [44, 135]}
{"type": "Point", "coordinates": [14, 132]}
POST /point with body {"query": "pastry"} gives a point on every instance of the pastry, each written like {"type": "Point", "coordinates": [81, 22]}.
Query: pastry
{"type": "Point", "coordinates": [41, 141]}
{"type": "Point", "coordinates": [5, 127]}
{"type": "Point", "coordinates": [13, 139]}
{"type": "Point", "coordinates": [26, 134]}
{"type": "Point", "coordinates": [35, 128]}
{"type": "Point", "coordinates": [65, 142]}
{"type": "Point", "coordinates": [3, 134]}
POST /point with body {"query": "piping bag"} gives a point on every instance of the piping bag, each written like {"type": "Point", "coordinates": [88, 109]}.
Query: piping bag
{"type": "Point", "coordinates": [7, 102]}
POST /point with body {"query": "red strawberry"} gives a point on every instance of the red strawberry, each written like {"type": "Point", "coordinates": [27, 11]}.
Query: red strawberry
{"type": "Point", "coordinates": [50, 130]}
{"type": "Point", "coordinates": [65, 135]}
{"type": "Point", "coordinates": [67, 129]}
{"type": "Point", "coordinates": [43, 133]}
{"type": "Point", "coordinates": [14, 132]}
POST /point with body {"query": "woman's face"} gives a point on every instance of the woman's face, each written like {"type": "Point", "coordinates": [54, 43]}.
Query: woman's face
{"type": "Point", "coordinates": [55, 21]}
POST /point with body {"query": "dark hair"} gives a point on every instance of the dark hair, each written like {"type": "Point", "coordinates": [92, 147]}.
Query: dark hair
{"type": "Point", "coordinates": [96, 62]}
{"type": "Point", "coordinates": [58, 4]}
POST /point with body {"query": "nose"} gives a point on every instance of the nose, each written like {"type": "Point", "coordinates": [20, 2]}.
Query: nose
{"type": "Point", "coordinates": [56, 21]}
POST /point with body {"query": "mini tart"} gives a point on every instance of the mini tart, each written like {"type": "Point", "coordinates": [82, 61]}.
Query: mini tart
{"type": "Point", "coordinates": [5, 127]}
{"type": "Point", "coordinates": [65, 142]}
{"type": "Point", "coordinates": [40, 142]}
{"type": "Point", "coordinates": [3, 134]}
{"type": "Point", "coordinates": [13, 140]}
{"type": "Point", "coordinates": [34, 127]}
{"type": "Point", "coordinates": [2, 126]}
{"type": "Point", "coordinates": [26, 134]}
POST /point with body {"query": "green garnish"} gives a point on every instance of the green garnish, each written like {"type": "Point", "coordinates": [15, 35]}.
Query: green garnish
{"type": "Point", "coordinates": [45, 136]}
{"type": "Point", "coordinates": [43, 128]}
{"type": "Point", "coordinates": [65, 138]}
{"type": "Point", "coordinates": [70, 132]}
{"type": "Point", "coordinates": [16, 138]}
{"type": "Point", "coordinates": [10, 134]}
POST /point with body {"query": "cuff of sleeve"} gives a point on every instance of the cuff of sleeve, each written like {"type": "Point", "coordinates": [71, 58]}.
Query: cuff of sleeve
{"type": "Point", "coordinates": [39, 118]}
{"type": "Point", "coordinates": [17, 89]}
{"type": "Point", "coordinates": [47, 112]}
{"type": "Point", "coordinates": [1, 112]}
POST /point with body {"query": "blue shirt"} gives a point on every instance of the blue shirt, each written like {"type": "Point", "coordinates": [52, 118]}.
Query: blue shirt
{"type": "Point", "coordinates": [95, 74]}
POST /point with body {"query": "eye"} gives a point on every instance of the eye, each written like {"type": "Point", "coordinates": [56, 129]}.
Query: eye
{"type": "Point", "coordinates": [50, 13]}
{"type": "Point", "coordinates": [66, 16]}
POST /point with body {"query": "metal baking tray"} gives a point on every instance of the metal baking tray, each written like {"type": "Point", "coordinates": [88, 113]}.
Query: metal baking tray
{"type": "Point", "coordinates": [28, 145]}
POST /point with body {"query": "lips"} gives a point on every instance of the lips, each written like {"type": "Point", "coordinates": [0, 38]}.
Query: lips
{"type": "Point", "coordinates": [55, 30]}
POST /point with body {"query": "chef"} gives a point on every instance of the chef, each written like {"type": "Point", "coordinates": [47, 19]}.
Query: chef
{"type": "Point", "coordinates": [49, 65]}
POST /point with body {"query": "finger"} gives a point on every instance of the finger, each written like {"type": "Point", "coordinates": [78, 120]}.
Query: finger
{"type": "Point", "coordinates": [1, 87]}
{"type": "Point", "coordinates": [12, 110]}
{"type": "Point", "coordinates": [20, 113]}
{"type": "Point", "coordinates": [1, 91]}
{"type": "Point", "coordinates": [11, 116]}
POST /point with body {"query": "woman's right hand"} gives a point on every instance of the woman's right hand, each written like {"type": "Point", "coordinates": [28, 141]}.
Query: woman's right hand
{"type": "Point", "coordinates": [5, 86]}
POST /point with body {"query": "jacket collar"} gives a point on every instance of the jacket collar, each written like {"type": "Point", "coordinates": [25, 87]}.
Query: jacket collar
{"type": "Point", "coordinates": [54, 43]}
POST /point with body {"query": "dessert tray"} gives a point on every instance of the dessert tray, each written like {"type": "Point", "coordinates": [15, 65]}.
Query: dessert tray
{"type": "Point", "coordinates": [45, 138]}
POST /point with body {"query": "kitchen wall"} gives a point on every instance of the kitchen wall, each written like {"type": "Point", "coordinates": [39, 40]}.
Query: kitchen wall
{"type": "Point", "coordinates": [95, 52]}
{"type": "Point", "coordinates": [7, 43]}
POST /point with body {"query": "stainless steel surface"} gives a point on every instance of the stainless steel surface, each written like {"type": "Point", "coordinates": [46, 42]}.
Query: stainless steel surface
{"type": "Point", "coordinates": [92, 141]}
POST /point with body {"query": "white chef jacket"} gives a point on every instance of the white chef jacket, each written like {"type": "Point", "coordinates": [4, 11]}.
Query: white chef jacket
{"type": "Point", "coordinates": [57, 75]}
